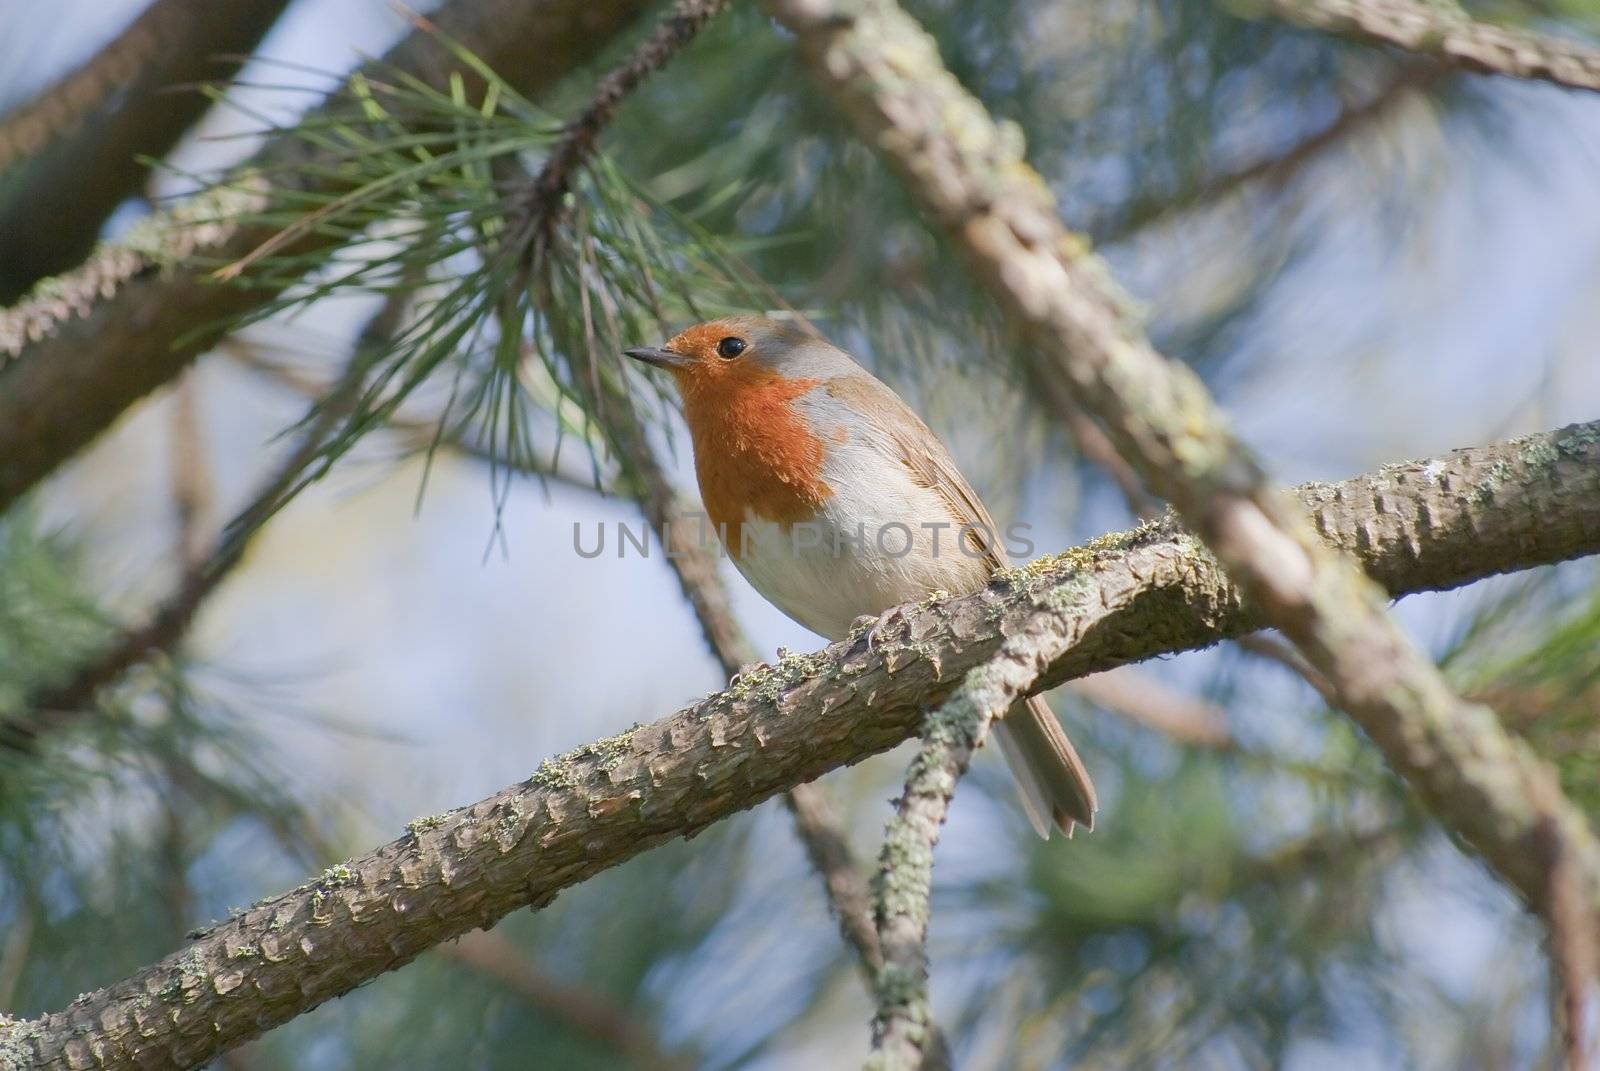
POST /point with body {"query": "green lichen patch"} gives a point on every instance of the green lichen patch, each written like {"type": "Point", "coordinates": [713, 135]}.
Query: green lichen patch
{"type": "Point", "coordinates": [562, 772]}
{"type": "Point", "coordinates": [611, 751]}
{"type": "Point", "coordinates": [189, 973]}
{"type": "Point", "coordinates": [767, 683]}
{"type": "Point", "coordinates": [1537, 450]}
{"type": "Point", "coordinates": [555, 774]}
{"type": "Point", "coordinates": [508, 826]}
{"type": "Point", "coordinates": [1578, 440]}
{"type": "Point", "coordinates": [335, 877]}
{"type": "Point", "coordinates": [422, 824]}
{"type": "Point", "coordinates": [1021, 578]}
{"type": "Point", "coordinates": [16, 1043]}
{"type": "Point", "coordinates": [1489, 483]}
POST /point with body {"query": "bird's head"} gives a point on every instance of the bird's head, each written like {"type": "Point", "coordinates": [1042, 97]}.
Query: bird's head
{"type": "Point", "coordinates": [742, 353]}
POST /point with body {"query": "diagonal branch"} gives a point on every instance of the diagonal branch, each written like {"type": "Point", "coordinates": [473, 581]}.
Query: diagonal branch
{"type": "Point", "coordinates": [82, 348]}
{"type": "Point", "coordinates": [72, 154]}
{"type": "Point", "coordinates": [1276, 171]}
{"type": "Point", "coordinates": [1089, 350]}
{"type": "Point", "coordinates": [1141, 594]}
{"type": "Point", "coordinates": [1442, 30]}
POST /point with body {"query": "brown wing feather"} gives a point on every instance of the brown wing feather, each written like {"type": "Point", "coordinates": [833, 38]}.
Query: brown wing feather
{"type": "Point", "coordinates": [923, 455]}
{"type": "Point", "coordinates": [1055, 785]}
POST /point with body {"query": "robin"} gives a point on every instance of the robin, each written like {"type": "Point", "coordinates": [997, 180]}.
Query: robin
{"type": "Point", "coordinates": [837, 503]}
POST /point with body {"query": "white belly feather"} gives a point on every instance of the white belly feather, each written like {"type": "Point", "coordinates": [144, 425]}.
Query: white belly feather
{"type": "Point", "coordinates": [854, 559]}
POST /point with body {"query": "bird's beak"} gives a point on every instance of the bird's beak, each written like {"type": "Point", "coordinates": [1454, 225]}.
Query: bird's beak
{"type": "Point", "coordinates": [659, 357]}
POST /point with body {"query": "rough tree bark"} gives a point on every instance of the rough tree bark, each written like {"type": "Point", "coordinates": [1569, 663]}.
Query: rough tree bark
{"type": "Point", "coordinates": [85, 346]}
{"type": "Point", "coordinates": [1125, 597]}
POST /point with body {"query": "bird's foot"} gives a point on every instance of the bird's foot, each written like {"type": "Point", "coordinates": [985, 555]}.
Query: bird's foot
{"type": "Point", "coordinates": [874, 626]}
{"type": "Point", "coordinates": [746, 670]}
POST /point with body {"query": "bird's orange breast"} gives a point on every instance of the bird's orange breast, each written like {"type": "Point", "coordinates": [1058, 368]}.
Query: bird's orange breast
{"type": "Point", "coordinates": [753, 449]}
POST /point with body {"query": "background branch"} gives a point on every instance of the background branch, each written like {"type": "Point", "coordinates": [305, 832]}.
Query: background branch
{"type": "Point", "coordinates": [487, 954]}
{"type": "Point", "coordinates": [1442, 30]}
{"type": "Point", "coordinates": [1418, 526]}
{"type": "Point", "coordinates": [74, 697]}
{"type": "Point", "coordinates": [71, 155]}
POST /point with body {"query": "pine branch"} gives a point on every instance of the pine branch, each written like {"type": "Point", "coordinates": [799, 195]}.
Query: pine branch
{"type": "Point", "coordinates": [1141, 594]}
{"type": "Point", "coordinates": [72, 154]}
{"type": "Point", "coordinates": [542, 199]}
{"type": "Point", "coordinates": [84, 347]}
{"type": "Point", "coordinates": [1088, 350]}
{"type": "Point", "coordinates": [1442, 30]}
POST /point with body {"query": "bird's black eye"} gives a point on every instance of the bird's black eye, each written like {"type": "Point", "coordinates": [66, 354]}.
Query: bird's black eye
{"type": "Point", "coordinates": [729, 348]}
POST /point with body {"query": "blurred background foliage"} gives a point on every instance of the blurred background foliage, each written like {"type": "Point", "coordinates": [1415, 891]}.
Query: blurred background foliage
{"type": "Point", "coordinates": [1367, 257]}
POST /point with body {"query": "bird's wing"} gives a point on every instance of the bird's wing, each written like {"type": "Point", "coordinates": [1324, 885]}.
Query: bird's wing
{"type": "Point", "coordinates": [924, 456]}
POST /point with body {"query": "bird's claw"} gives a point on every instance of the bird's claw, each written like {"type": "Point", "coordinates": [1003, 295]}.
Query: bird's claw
{"type": "Point", "coordinates": [874, 626]}
{"type": "Point", "coordinates": [744, 671]}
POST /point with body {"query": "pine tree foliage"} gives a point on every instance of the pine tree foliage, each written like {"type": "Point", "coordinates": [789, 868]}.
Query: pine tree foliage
{"type": "Point", "coordinates": [1242, 904]}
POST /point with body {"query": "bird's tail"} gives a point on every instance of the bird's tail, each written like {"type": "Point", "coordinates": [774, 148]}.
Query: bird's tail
{"type": "Point", "coordinates": [1054, 785]}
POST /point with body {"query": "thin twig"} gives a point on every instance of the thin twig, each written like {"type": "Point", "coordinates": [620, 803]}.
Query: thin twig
{"type": "Point", "coordinates": [1277, 170]}
{"type": "Point", "coordinates": [486, 953]}
{"type": "Point", "coordinates": [75, 696]}
{"type": "Point", "coordinates": [541, 200]}
{"type": "Point", "coordinates": [193, 486]}
{"type": "Point", "coordinates": [1144, 700]}
{"type": "Point", "coordinates": [1259, 643]}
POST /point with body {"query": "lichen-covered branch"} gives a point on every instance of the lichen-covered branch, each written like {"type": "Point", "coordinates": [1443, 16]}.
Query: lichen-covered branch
{"type": "Point", "coordinates": [1125, 597]}
{"type": "Point", "coordinates": [74, 153]}
{"type": "Point", "coordinates": [1088, 349]}
{"type": "Point", "coordinates": [901, 1029]}
{"type": "Point", "coordinates": [83, 347]}
{"type": "Point", "coordinates": [1442, 30]}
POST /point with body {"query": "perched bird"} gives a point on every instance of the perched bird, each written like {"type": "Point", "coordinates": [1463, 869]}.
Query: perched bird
{"type": "Point", "coordinates": [837, 503]}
